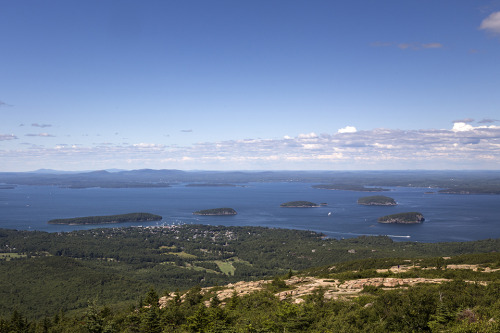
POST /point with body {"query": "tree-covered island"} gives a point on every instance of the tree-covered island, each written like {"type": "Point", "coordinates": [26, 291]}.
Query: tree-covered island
{"type": "Point", "coordinates": [216, 212]}
{"type": "Point", "coordinates": [377, 200]}
{"type": "Point", "coordinates": [402, 218]}
{"type": "Point", "coordinates": [299, 204]}
{"type": "Point", "coordinates": [130, 217]}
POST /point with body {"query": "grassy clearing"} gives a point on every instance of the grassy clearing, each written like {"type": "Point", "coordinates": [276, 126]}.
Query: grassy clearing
{"type": "Point", "coordinates": [226, 267]}
{"type": "Point", "coordinates": [164, 247]}
{"type": "Point", "coordinates": [182, 254]}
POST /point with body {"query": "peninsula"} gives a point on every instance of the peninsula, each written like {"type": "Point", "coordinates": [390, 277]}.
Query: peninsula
{"type": "Point", "coordinates": [348, 187]}
{"type": "Point", "coordinates": [212, 185]}
{"type": "Point", "coordinates": [299, 204]}
{"type": "Point", "coordinates": [402, 218]}
{"type": "Point", "coordinates": [216, 212]}
{"type": "Point", "coordinates": [377, 200]}
{"type": "Point", "coordinates": [131, 217]}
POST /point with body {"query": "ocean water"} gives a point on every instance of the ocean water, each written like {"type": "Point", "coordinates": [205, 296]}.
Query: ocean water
{"type": "Point", "coordinates": [448, 217]}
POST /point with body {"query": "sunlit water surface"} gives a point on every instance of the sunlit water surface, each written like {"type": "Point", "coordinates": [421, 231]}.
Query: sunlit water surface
{"type": "Point", "coordinates": [448, 217]}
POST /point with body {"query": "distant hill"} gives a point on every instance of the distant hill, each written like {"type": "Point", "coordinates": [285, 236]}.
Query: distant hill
{"type": "Point", "coordinates": [464, 182]}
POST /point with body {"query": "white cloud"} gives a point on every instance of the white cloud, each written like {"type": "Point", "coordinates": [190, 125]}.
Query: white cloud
{"type": "Point", "coordinates": [491, 23]}
{"type": "Point", "coordinates": [462, 127]}
{"type": "Point", "coordinates": [311, 135]}
{"type": "Point", "coordinates": [147, 145]}
{"type": "Point", "coordinates": [347, 129]}
{"type": "Point", "coordinates": [311, 146]}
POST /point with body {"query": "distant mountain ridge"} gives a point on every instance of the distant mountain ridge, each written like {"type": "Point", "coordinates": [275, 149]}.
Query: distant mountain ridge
{"type": "Point", "coordinates": [461, 182]}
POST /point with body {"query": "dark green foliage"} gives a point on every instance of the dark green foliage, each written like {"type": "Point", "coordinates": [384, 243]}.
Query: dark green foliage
{"type": "Point", "coordinates": [151, 299]}
{"type": "Point", "coordinates": [131, 217]}
{"type": "Point", "coordinates": [408, 217]}
{"type": "Point", "coordinates": [118, 265]}
{"type": "Point", "coordinates": [216, 211]}
{"type": "Point", "coordinates": [377, 200]}
{"type": "Point", "coordinates": [455, 306]}
{"type": "Point", "coordinates": [299, 204]}
{"type": "Point", "coordinates": [277, 285]}
{"type": "Point", "coordinates": [94, 322]}
{"type": "Point", "coordinates": [473, 189]}
{"type": "Point", "coordinates": [208, 265]}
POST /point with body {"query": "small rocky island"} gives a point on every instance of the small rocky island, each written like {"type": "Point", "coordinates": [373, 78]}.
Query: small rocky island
{"type": "Point", "coordinates": [131, 217]}
{"type": "Point", "coordinates": [216, 212]}
{"type": "Point", "coordinates": [377, 200]}
{"type": "Point", "coordinates": [299, 204]}
{"type": "Point", "coordinates": [402, 218]}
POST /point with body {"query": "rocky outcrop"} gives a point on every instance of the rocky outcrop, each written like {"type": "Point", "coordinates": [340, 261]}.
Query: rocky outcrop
{"type": "Point", "coordinates": [300, 287]}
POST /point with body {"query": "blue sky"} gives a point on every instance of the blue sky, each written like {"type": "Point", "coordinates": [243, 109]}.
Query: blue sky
{"type": "Point", "coordinates": [226, 85]}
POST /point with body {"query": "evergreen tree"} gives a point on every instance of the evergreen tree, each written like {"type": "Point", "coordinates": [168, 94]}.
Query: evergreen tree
{"type": "Point", "coordinates": [94, 322]}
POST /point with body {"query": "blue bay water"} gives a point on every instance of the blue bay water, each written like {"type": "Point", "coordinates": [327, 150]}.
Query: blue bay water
{"type": "Point", "coordinates": [448, 217]}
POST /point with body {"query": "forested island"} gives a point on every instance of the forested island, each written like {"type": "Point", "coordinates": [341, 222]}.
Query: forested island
{"type": "Point", "coordinates": [216, 212]}
{"type": "Point", "coordinates": [121, 218]}
{"type": "Point", "coordinates": [299, 204]}
{"type": "Point", "coordinates": [377, 200]}
{"type": "Point", "coordinates": [348, 187]}
{"type": "Point", "coordinates": [402, 218]}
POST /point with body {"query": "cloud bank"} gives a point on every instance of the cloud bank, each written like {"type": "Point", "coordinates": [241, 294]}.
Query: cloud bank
{"type": "Point", "coordinates": [462, 147]}
{"type": "Point", "coordinates": [5, 137]}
